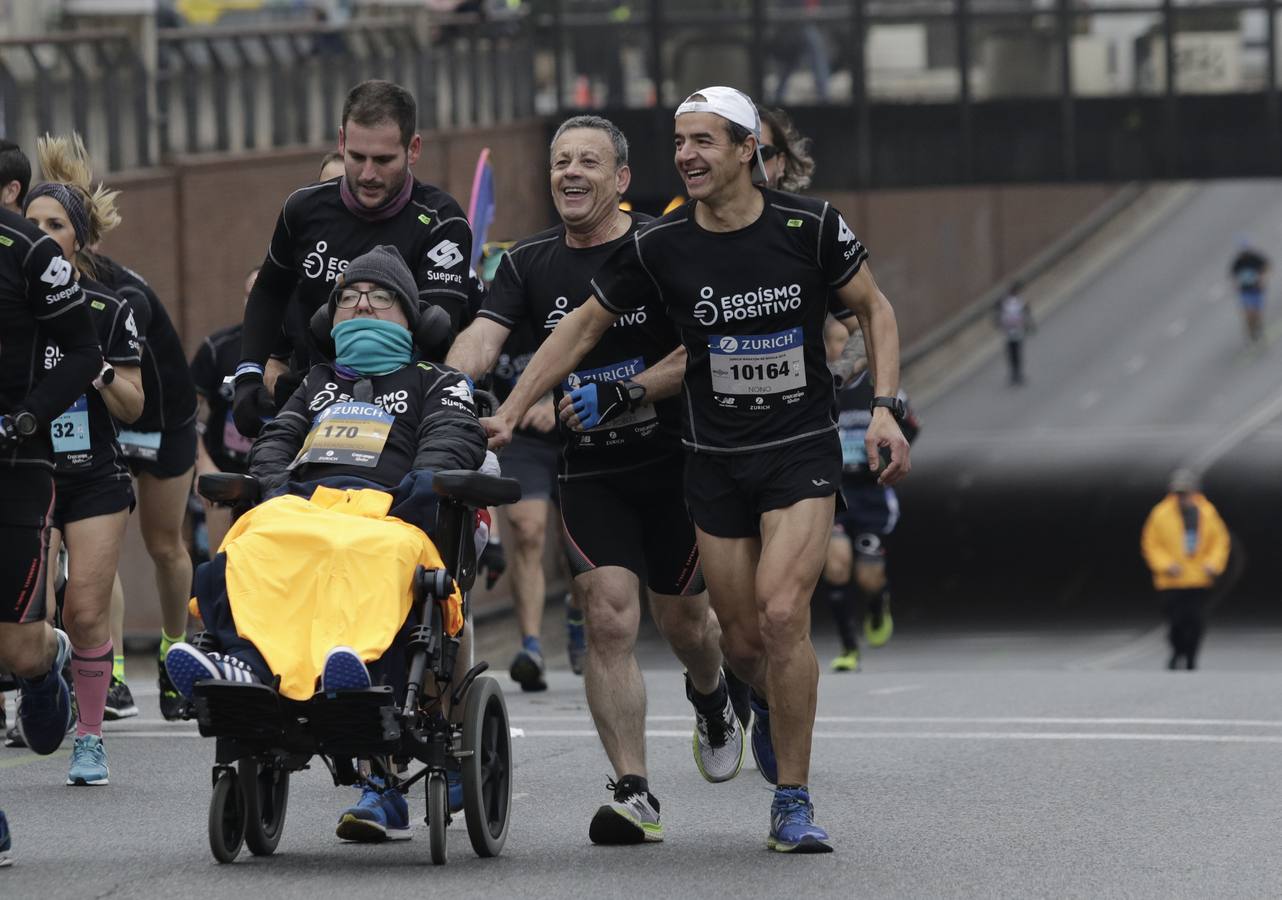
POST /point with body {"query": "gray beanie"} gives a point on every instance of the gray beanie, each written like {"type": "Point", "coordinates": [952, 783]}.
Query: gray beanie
{"type": "Point", "coordinates": [385, 267]}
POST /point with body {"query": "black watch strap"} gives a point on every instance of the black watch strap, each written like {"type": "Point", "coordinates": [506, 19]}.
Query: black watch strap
{"type": "Point", "coordinates": [894, 404]}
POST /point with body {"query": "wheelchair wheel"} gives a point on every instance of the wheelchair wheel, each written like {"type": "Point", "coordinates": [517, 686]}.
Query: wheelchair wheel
{"type": "Point", "coordinates": [487, 769]}
{"type": "Point", "coordinates": [226, 818]}
{"type": "Point", "coordinates": [437, 816]}
{"type": "Point", "coordinates": [266, 792]}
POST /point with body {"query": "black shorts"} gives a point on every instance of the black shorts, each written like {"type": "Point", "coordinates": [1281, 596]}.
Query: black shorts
{"type": "Point", "coordinates": [24, 542]}
{"type": "Point", "coordinates": [84, 497]}
{"type": "Point", "coordinates": [637, 520]}
{"type": "Point", "coordinates": [161, 454]}
{"type": "Point", "coordinates": [872, 511]}
{"type": "Point", "coordinates": [728, 492]}
{"type": "Point", "coordinates": [534, 463]}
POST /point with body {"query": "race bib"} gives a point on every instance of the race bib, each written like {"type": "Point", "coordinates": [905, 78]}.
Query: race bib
{"type": "Point", "coordinates": [757, 364]}
{"type": "Point", "coordinates": [234, 443]}
{"type": "Point", "coordinates": [350, 434]}
{"type": "Point", "coordinates": [70, 431]}
{"type": "Point", "coordinates": [614, 372]}
{"type": "Point", "coordinates": [854, 452]}
{"type": "Point", "coordinates": [140, 444]}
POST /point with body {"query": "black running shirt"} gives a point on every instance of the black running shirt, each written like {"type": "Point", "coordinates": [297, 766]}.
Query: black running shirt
{"type": "Point", "coordinates": [539, 281]}
{"type": "Point", "coordinates": [170, 395]}
{"type": "Point", "coordinates": [39, 298]}
{"type": "Point", "coordinates": [215, 360]}
{"type": "Point", "coordinates": [750, 307]}
{"type": "Point", "coordinates": [317, 236]}
{"type": "Point", "coordinates": [84, 435]}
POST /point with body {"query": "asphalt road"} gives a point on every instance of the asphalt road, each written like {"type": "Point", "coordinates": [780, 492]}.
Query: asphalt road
{"type": "Point", "coordinates": [1028, 501]}
{"type": "Point", "coordinates": [996, 764]}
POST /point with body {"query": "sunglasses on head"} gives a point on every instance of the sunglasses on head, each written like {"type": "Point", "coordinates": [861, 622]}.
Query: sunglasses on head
{"type": "Point", "coordinates": [769, 152]}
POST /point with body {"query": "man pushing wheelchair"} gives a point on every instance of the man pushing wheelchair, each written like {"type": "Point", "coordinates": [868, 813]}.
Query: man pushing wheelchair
{"type": "Point", "coordinates": [316, 585]}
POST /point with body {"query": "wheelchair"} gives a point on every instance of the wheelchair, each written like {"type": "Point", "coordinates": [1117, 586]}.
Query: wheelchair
{"type": "Point", "coordinates": [262, 737]}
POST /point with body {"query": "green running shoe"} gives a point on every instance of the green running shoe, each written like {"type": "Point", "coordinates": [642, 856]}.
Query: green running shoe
{"type": "Point", "coordinates": [847, 662]}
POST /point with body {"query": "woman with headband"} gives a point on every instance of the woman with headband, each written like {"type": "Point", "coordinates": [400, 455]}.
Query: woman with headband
{"type": "Point", "coordinates": [93, 492]}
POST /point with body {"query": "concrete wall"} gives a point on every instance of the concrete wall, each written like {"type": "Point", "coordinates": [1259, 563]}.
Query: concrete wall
{"type": "Point", "coordinates": [195, 228]}
{"type": "Point", "coordinates": [935, 250]}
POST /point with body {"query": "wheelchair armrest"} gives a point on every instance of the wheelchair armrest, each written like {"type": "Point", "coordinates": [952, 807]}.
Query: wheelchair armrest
{"type": "Point", "coordinates": [485, 402]}
{"type": "Point", "coordinates": [476, 488]}
{"type": "Point", "coordinates": [230, 489]}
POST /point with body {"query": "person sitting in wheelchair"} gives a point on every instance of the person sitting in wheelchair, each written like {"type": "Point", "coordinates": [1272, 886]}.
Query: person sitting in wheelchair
{"type": "Point", "coordinates": [347, 466]}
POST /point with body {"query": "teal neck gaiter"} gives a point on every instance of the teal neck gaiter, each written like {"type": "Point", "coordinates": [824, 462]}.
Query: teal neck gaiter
{"type": "Point", "coordinates": [372, 346]}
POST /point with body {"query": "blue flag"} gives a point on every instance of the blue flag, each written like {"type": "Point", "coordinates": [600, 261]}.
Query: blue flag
{"type": "Point", "coordinates": [480, 210]}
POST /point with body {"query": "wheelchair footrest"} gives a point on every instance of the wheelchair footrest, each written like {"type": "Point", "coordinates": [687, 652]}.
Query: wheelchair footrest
{"type": "Point", "coordinates": [355, 723]}
{"type": "Point", "coordinates": [250, 712]}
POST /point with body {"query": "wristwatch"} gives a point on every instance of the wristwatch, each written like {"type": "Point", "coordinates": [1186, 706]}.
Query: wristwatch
{"type": "Point", "coordinates": [25, 424]}
{"type": "Point", "coordinates": [897, 407]}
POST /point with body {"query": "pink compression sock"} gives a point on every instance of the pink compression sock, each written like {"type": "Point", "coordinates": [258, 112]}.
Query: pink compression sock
{"type": "Point", "coordinates": [91, 672]}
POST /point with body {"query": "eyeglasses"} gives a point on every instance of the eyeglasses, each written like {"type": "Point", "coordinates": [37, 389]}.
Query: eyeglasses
{"type": "Point", "coordinates": [769, 152]}
{"type": "Point", "coordinates": [378, 298]}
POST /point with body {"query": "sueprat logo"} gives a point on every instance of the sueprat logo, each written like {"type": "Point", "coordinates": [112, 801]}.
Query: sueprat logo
{"type": "Point", "coordinates": [728, 345]}
{"type": "Point", "coordinates": [446, 254]}
{"type": "Point", "coordinates": [844, 234]}
{"type": "Point", "coordinates": [459, 391]}
{"type": "Point", "coordinates": [57, 273]}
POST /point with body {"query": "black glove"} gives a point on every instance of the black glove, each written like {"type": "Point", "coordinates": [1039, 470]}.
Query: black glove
{"type": "Point", "coordinates": [493, 562]}
{"type": "Point", "coordinates": [252, 404]}
{"type": "Point", "coordinates": [286, 384]}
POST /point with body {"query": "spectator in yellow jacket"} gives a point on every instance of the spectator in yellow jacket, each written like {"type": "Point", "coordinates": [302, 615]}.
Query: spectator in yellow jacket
{"type": "Point", "coordinates": [1186, 545]}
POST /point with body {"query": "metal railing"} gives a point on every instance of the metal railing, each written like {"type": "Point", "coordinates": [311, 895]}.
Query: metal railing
{"type": "Point", "coordinates": [235, 89]}
{"type": "Point", "coordinates": [94, 82]}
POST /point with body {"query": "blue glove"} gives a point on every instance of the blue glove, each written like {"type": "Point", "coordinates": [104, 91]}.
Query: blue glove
{"type": "Point", "coordinates": [596, 403]}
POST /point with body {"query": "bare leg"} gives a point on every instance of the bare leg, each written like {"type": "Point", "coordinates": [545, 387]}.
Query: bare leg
{"type": "Point", "coordinates": [729, 567]}
{"type": "Point", "coordinates": [162, 504]}
{"type": "Point", "coordinates": [524, 530]}
{"type": "Point", "coordinates": [692, 631]}
{"type": "Point", "coordinates": [611, 676]}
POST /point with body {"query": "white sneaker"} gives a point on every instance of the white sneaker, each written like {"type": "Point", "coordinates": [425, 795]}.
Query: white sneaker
{"type": "Point", "coordinates": [718, 743]}
{"type": "Point", "coordinates": [632, 818]}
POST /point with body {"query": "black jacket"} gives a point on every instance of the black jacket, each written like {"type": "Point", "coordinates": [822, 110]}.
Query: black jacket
{"type": "Point", "coordinates": [433, 426]}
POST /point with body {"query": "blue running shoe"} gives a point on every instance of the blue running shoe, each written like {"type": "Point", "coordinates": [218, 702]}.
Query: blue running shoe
{"type": "Point", "coordinates": [763, 748]}
{"type": "Point", "coordinates": [344, 671]}
{"type": "Point", "coordinates": [88, 761]}
{"type": "Point", "coordinates": [792, 824]}
{"type": "Point", "coordinates": [380, 815]}
{"type": "Point", "coordinates": [45, 713]}
{"type": "Point", "coordinates": [6, 844]}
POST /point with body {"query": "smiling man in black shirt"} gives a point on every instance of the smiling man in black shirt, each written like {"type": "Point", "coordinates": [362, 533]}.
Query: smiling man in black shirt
{"type": "Point", "coordinates": [744, 273]}
{"type": "Point", "coordinates": [324, 226]}
{"type": "Point", "coordinates": [623, 512]}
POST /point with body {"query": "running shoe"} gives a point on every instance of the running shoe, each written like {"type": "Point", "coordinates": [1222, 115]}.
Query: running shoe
{"type": "Point", "coordinates": [344, 671]}
{"type": "Point", "coordinates": [45, 711]}
{"type": "Point", "coordinates": [380, 815]}
{"type": "Point", "coordinates": [6, 843]}
{"type": "Point", "coordinates": [171, 701]}
{"type": "Point", "coordinates": [792, 824]}
{"type": "Point", "coordinates": [632, 818]}
{"type": "Point", "coordinates": [120, 702]}
{"type": "Point", "coordinates": [763, 748]}
{"type": "Point", "coordinates": [576, 637]}
{"type": "Point", "coordinates": [879, 624]}
{"type": "Point", "coordinates": [847, 662]}
{"type": "Point", "coordinates": [88, 761]}
{"type": "Point", "coordinates": [13, 738]}
{"type": "Point", "coordinates": [718, 739]}
{"type": "Point", "coordinates": [187, 667]}
{"type": "Point", "coordinates": [528, 669]}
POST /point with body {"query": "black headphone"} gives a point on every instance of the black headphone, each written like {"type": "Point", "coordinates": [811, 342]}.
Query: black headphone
{"type": "Point", "coordinates": [429, 327]}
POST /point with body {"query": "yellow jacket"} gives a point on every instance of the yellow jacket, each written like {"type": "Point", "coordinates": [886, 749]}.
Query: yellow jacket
{"type": "Point", "coordinates": [305, 576]}
{"type": "Point", "coordinates": [1162, 542]}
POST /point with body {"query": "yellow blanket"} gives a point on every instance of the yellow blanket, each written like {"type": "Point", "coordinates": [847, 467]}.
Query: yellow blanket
{"type": "Point", "coordinates": [304, 576]}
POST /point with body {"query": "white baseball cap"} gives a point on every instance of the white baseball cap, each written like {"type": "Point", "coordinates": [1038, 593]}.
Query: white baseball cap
{"type": "Point", "coordinates": [734, 106]}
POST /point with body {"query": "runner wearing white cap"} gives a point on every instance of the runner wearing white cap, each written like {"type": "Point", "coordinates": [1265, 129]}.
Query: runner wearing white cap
{"type": "Point", "coordinates": [744, 273]}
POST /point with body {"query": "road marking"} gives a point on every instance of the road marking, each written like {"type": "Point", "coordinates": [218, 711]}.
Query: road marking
{"type": "Point", "coordinates": [1137, 736]}
{"type": "Point", "coordinates": [901, 689]}
{"type": "Point", "coordinates": [26, 758]}
{"type": "Point", "coordinates": [971, 720]}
